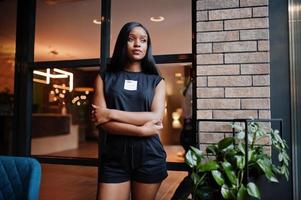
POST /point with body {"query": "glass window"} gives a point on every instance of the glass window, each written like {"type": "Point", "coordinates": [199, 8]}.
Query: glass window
{"type": "Point", "coordinates": [8, 10]}
{"type": "Point", "coordinates": [178, 108]}
{"type": "Point", "coordinates": [61, 124]}
{"type": "Point", "coordinates": [67, 30]}
{"type": "Point", "coordinates": [170, 36]}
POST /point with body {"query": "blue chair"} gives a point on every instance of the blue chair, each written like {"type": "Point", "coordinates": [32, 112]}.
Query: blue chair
{"type": "Point", "coordinates": [20, 178]}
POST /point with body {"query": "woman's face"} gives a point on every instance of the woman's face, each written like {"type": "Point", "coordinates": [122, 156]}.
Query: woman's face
{"type": "Point", "coordinates": [137, 44]}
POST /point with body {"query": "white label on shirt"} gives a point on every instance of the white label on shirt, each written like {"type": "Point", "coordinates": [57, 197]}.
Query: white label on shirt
{"type": "Point", "coordinates": [130, 85]}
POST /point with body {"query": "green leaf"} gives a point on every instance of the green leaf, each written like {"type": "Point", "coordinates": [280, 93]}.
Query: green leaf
{"type": "Point", "coordinates": [251, 155]}
{"type": "Point", "coordinates": [230, 172]}
{"type": "Point", "coordinates": [250, 138]}
{"type": "Point", "coordinates": [253, 190]}
{"type": "Point", "coordinates": [226, 193]}
{"type": "Point", "coordinates": [240, 161]}
{"type": "Point", "coordinates": [191, 159]}
{"type": "Point", "coordinates": [196, 151]}
{"type": "Point", "coordinates": [237, 127]}
{"type": "Point", "coordinates": [240, 135]}
{"type": "Point", "coordinates": [211, 149]}
{"type": "Point", "coordinates": [280, 157]}
{"type": "Point", "coordinates": [261, 132]}
{"type": "Point", "coordinates": [242, 193]}
{"type": "Point", "coordinates": [241, 148]}
{"type": "Point", "coordinates": [218, 177]}
{"type": "Point", "coordinates": [226, 142]}
{"type": "Point", "coordinates": [208, 166]}
{"type": "Point", "coordinates": [266, 167]}
{"type": "Point", "coordinates": [253, 127]}
{"type": "Point", "coordinates": [195, 178]}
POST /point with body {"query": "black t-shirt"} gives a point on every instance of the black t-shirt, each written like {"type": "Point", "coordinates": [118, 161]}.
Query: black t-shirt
{"type": "Point", "coordinates": [129, 91]}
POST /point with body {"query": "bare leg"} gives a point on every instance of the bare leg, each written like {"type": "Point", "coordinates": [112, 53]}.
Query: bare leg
{"type": "Point", "coordinates": [145, 191]}
{"type": "Point", "coordinates": [114, 191]}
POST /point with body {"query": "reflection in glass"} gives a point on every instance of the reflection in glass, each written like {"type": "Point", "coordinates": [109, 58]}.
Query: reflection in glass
{"type": "Point", "coordinates": [168, 21]}
{"type": "Point", "coordinates": [8, 13]}
{"type": "Point", "coordinates": [178, 109]}
{"type": "Point", "coordinates": [66, 30]}
{"type": "Point", "coordinates": [61, 122]}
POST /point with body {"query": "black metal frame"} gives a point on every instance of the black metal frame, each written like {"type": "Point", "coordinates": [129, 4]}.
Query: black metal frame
{"type": "Point", "coordinates": [25, 65]}
{"type": "Point", "coordinates": [160, 59]}
{"type": "Point", "coordinates": [246, 122]}
{"type": "Point", "coordinates": [23, 77]}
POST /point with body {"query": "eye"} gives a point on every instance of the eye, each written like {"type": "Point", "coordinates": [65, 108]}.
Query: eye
{"type": "Point", "coordinates": [130, 39]}
{"type": "Point", "coordinates": [143, 40]}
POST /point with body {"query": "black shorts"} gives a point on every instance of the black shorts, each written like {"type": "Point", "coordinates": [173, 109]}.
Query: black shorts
{"type": "Point", "coordinates": [133, 158]}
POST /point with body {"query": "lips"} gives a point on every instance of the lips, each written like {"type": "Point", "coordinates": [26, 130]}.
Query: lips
{"type": "Point", "coordinates": [136, 51]}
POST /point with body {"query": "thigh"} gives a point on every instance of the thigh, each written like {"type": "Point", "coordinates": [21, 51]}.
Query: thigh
{"type": "Point", "coordinates": [114, 191]}
{"type": "Point", "coordinates": [145, 191]}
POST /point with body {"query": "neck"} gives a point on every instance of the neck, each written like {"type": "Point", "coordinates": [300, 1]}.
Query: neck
{"type": "Point", "coordinates": [133, 67]}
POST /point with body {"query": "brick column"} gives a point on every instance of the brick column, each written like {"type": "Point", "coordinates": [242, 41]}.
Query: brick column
{"type": "Point", "coordinates": [233, 59]}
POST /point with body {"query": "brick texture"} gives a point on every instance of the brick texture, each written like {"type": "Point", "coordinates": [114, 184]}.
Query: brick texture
{"type": "Point", "coordinates": [216, 4]}
{"type": "Point", "coordinates": [255, 69]}
{"type": "Point", "coordinates": [248, 92]}
{"type": "Point", "coordinates": [246, 24]}
{"type": "Point", "coordinates": [233, 65]}
{"type": "Point", "coordinates": [232, 114]}
{"type": "Point", "coordinates": [204, 114]}
{"type": "Point", "coordinates": [204, 48]}
{"type": "Point", "coordinates": [229, 81]}
{"type": "Point", "coordinates": [260, 11]}
{"type": "Point", "coordinates": [210, 58]}
{"type": "Point", "coordinates": [202, 16]}
{"type": "Point", "coordinates": [210, 26]}
{"type": "Point", "coordinates": [263, 45]}
{"type": "Point", "coordinates": [256, 57]}
{"type": "Point", "coordinates": [257, 34]}
{"type": "Point", "coordinates": [235, 46]}
{"type": "Point", "coordinates": [201, 81]}
{"type": "Point", "coordinates": [230, 14]}
{"type": "Point", "coordinates": [261, 80]}
{"type": "Point", "coordinates": [210, 92]}
{"type": "Point", "coordinates": [255, 103]}
{"type": "Point", "coordinates": [218, 104]}
{"type": "Point", "coordinates": [218, 70]}
{"type": "Point", "coordinates": [217, 36]}
{"type": "Point", "coordinates": [253, 2]}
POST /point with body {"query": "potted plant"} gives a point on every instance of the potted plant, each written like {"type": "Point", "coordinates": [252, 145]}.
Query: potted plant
{"type": "Point", "coordinates": [221, 173]}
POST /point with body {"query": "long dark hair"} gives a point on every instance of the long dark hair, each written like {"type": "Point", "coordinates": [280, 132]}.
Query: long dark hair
{"type": "Point", "coordinates": [120, 55]}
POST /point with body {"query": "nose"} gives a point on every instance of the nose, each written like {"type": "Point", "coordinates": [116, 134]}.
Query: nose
{"type": "Point", "coordinates": [137, 43]}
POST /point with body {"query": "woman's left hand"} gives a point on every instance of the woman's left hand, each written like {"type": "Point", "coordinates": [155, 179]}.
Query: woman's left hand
{"type": "Point", "coordinates": [100, 115]}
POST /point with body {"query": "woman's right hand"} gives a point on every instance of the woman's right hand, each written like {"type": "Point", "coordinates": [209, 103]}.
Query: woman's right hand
{"type": "Point", "coordinates": [152, 127]}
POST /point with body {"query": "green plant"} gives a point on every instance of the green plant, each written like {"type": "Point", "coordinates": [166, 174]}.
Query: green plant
{"type": "Point", "coordinates": [221, 172]}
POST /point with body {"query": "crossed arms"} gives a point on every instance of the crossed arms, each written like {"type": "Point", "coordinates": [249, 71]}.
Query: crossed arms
{"type": "Point", "coordinates": [141, 124]}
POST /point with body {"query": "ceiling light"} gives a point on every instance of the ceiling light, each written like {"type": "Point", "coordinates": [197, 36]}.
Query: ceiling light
{"type": "Point", "coordinates": [157, 19]}
{"type": "Point", "coordinates": [98, 20]}
{"type": "Point", "coordinates": [178, 75]}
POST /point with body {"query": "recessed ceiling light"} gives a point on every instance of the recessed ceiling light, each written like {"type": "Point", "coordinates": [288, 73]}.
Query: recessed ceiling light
{"type": "Point", "coordinates": [97, 21]}
{"type": "Point", "coordinates": [157, 19]}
